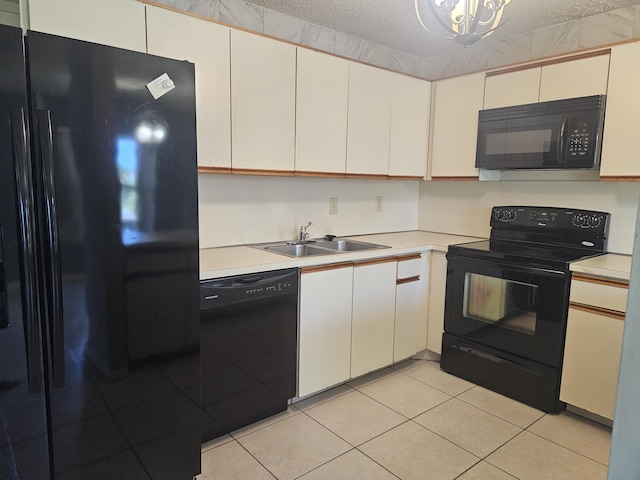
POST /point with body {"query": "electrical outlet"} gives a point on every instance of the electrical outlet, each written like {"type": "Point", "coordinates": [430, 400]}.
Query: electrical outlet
{"type": "Point", "coordinates": [379, 203]}
{"type": "Point", "coordinates": [333, 205]}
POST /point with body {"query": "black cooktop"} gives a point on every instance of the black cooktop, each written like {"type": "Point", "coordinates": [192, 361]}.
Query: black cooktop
{"type": "Point", "coordinates": [540, 236]}
{"type": "Point", "coordinates": [538, 255]}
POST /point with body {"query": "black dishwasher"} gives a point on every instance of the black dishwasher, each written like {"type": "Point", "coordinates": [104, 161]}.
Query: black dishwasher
{"type": "Point", "coordinates": [248, 348]}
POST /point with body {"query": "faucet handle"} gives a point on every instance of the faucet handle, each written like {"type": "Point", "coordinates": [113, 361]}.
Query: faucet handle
{"type": "Point", "coordinates": [303, 231]}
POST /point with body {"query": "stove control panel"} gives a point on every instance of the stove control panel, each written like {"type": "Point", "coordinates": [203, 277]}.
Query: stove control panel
{"type": "Point", "coordinates": [550, 218]}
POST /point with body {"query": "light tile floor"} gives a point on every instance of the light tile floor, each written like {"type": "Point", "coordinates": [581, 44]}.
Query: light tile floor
{"type": "Point", "coordinates": [411, 421]}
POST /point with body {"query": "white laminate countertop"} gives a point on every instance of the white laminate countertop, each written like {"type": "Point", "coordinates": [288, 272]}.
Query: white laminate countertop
{"type": "Point", "coordinates": [612, 265]}
{"type": "Point", "coordinates": [238, 260]}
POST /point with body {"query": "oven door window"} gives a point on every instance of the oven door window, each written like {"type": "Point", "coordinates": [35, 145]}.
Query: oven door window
{"type": "Point", "coordinates": [501, 302]}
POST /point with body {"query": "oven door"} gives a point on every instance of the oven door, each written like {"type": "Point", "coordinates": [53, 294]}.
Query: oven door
{"type": "Point", "coordinates": [516, 309]}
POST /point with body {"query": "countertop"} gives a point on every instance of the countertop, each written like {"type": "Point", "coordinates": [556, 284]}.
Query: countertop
{"type": "Point", "coordinates": [238, 260]}
{"type": "Point", "coordinates": [612, 265]}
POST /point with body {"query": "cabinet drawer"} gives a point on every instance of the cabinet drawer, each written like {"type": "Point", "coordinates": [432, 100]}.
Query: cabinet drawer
{"type": "Point", "coordinates": [409, 266]}
{"type": "Point", "coordinates": [599, 292]}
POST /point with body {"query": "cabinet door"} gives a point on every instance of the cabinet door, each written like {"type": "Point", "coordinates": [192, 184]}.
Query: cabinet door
{"type": "Point", "coordinates": [119, 23]}
{"type": "Point", "coordinates": [437, 288]}
{"type": "Point", "coordinates": [455, 126]}
{"type": "Point", "coordinates": [619, 147]}
{"type": "Point", "coordinates": [321, 112]}
{"type": "Point", "coordinates": [577, 78]}
{"type": "Point", "coordinates": [513, 88]}
{"type": "Point", "coordinates": [263, 85]}
{"type": "Point", "coordinates": [412, 298]}
{"type": "Point", "coordinates": [369, 121]}
{"type": "Point", "coordinates": [410, 114]}
{"type": "Point", "coordinates": [325, 329]}
{"type": "Point", "coordinates": [591, 362]}
{"type": "Point", "coordinates": [374, 292]}
{"type": "Point", "coordinates": [206, 44]}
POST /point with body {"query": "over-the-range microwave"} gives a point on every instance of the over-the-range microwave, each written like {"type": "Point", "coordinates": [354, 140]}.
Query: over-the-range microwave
{"type": "Point", "coordinates": [561, 134]}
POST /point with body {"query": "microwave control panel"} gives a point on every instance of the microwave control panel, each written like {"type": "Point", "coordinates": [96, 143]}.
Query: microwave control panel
{"type": "Point", "coordinates": [579, 139]}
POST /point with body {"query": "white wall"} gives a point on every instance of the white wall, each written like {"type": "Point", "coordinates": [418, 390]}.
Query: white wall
{"type": "Point", "coordinates": [238, 209]}
{"type": "Point", "coordinates": [464, 207]}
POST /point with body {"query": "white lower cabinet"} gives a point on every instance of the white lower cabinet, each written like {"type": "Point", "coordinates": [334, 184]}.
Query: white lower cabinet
{"type": "Point", "coordinates": [437, 290]}
{"type": "Point", "coordinates": [412, 302]}
{"type": "Point", "coordinates": [593, 344]}
{"type": "Point", "coordinates": [359, 317]}
{"type": "Point", "coordinates": [325, 327]}
{"type": "Point", "coordinates": [374, 300]}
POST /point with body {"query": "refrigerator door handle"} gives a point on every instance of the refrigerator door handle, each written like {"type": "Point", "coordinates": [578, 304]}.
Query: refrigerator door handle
{"type": "Point", "coordinates": [54, 284]}
{"type": "Point", "coordinates": [24, 189]}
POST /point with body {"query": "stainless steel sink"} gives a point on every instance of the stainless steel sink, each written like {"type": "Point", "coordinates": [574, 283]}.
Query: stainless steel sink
{"type": "Point", "coordinates": [300, 250]}
{"type": "Point", "coordinates": [308, 248]}
{"type": "Point", "coordinates": [349, 245]}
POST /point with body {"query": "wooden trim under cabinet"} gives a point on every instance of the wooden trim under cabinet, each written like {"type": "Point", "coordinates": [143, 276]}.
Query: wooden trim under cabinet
{"type": "Point", "coordinates": [605, 312]}
{"type": "Point", "coordinates": [203, 169]}
{"type": "Point", "coordinates": [373, 176]}
{"type": "Point", "coordinates": [465, 179]}
{"type": "Point", "coordinates": [374, 261]}
{"type": "Point", "coordinates": [299, 173]}
{"type": "Point", "coordinates": [551, 61]}
{"type": "Point", "coordinates": [611, 282]}
{"type": "Point", "coordinates": [412, 256]}
{"type": "Point", "coordinates": [255, 171]}
{"type": "Point", "coordinates": [404, 177]}
{"type": "Point", "coordinates": [620, 178]}
{"type": "Point", "coordinates": [324, 268]}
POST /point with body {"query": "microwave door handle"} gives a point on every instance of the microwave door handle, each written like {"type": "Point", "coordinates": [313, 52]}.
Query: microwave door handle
{"type": "Point", "coordinates": [562, 136]}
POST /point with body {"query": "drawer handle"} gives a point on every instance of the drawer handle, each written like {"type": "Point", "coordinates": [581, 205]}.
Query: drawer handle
{"type": "Point", "coordinates": [598, 310]}
{"type": "Point", "coordinates": [415, 278]}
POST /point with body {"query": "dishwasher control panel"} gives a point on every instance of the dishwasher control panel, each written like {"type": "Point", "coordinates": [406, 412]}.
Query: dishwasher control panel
{"type": "Point", "coordinates": [246, 288]}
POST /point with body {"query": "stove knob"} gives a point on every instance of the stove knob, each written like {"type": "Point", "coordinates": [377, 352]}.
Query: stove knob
{"type": "Point", "coordinates": [578, 220]}
{"type": "Point", "coordinates": [498, 214]}
{"type": "Point", "coordinates": [511, 215]}
{"type": "Point", "coordinates": [594, 221]}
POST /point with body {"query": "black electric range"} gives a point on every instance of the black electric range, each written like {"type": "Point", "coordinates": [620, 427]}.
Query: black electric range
{"type": "Point", "coordinates": [507, 299]}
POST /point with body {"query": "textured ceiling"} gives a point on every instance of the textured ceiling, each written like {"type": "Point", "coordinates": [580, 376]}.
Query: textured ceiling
{"type": "Point", "coordinates": [393, 22]}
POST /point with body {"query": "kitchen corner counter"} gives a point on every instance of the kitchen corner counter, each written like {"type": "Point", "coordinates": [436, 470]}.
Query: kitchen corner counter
{"type": "Point", "coordinates": [610, 265]}
{"type": "Point", "coordinates": [237, 260]}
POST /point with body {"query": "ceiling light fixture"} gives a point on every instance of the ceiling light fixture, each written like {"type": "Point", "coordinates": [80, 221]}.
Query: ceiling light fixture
{"type": "Point", "coordinates": [465, 21]}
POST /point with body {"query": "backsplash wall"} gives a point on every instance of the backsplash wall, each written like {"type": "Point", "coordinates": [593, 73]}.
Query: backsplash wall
{"type": "Point", "coordinates": [464, 207]}
{"type": "Point", "coordinates": [238, 209]}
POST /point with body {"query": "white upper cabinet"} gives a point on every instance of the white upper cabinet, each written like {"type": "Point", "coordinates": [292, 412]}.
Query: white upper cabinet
{"type": "Point", "coordinates": [410, 100]}
{"type": "Point", "coordinates": [206, 44]}
{"type": "Point", "coordinates": [263, 97]}
{"type": "Point", "coordinates": [515, 88]}
{"type": "Point", "coordinates": [620, 156]}
{"type": "Point", "coordinates": [119, 23]}
{"type": "Point", "coordinates": [369, 120]}
{"type": "Point", "coordinates": [553, 80]}
{"type": "Point", "coordinates": [457, 102]}
{"type": "Point", "coordinates": [321, 112]}
{"type": "Point", "coordinates": [577, 78]}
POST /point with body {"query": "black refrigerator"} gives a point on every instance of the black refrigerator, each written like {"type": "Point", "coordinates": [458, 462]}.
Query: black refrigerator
{"type": "Point", "coordinates": [99, 320]}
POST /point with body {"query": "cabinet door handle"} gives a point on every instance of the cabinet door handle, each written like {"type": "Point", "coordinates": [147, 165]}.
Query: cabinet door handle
{"type": "Point", "coordinates": [401, 281]}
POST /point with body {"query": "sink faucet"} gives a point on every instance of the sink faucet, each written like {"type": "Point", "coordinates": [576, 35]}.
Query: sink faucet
{"type": "Point", "coordinates": [303, 232]}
